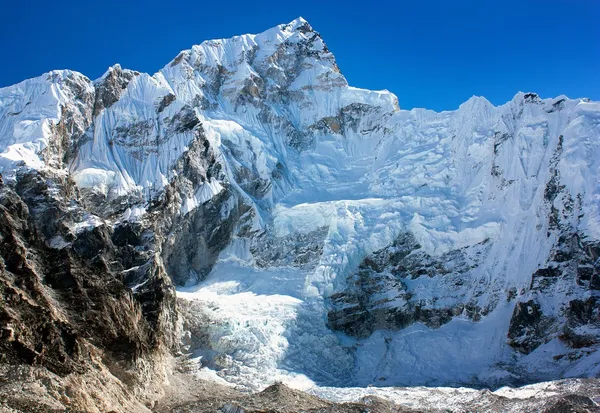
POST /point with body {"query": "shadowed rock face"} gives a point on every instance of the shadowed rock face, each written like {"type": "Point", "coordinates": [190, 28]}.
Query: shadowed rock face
{"type": "Point", "coordinates": [297, 250]}
{"type": "Point", "coordinates": [570, 277]}
{"type": "Point", "coordinates": [110, 87]}
{"type": "Point", "coordinates": [195, 242]}
{"type": "Point", "coordinates": [63, 291]}
{"type": "Point", "coordinates": [528, 327]}
{"type": "Point", "coordinates": [378, 297]}
{"type": "Point", "coordinates": [573, 264]}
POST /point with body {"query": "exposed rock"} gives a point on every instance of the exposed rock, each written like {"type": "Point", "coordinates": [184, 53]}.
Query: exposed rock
{"type": "Point", "coordinates": [528, 327]}
{"type": "Point", "coordinates": [378, 295]}
{"type": "Point", "coordinates": [64, 305]}
{"type": "Point", "coordinates": [561, 396]}
{"type": "Point", "coordinates": [297, 250]}
{"type": "Point", "coordinates": [110, 87]}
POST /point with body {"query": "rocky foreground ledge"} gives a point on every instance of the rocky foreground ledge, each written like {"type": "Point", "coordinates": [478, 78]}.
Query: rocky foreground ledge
{"type": "Point", "coordinates": [551, 397]}
{"type": "Point", "coordinates": [34, 390]}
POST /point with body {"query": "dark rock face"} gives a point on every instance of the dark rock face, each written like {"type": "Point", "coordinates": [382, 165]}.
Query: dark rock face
{"type": "Point", "coordinates": [378, 296]}
{"type": "Point", "coordinates": [111, 86]}
{"type": "Point", "coordinates": [528, 327]}
{"type": "Point", "coordinates": [63, 290]}
{"type": "Point", "coordinates": [583, 323]}
{"type": "Point", "coordinates": [194, 244]}
{"type": "Point", "coordinates": [191, 241]}
{"type": "Point", "coordinates": [569, 278]}
{"type": "Point", "coordinates": [573, 264]}
{"type": "Point", "coordinates": [297, 250]}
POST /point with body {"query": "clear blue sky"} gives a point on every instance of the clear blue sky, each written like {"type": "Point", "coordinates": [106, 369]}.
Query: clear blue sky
{"type": "Point", "coordinates": [430, 53]}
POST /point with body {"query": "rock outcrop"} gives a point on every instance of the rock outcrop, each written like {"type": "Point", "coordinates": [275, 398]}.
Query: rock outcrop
{"type": "Point", "coordinates": [71, 303]}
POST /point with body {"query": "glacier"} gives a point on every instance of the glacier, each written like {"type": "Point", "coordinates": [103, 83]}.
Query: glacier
{"type": "Point", "coordinates": [345, 195]}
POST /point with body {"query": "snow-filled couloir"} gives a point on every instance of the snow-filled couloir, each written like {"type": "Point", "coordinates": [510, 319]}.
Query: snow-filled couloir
{"type": "Point", "coordinates": [324, 235]}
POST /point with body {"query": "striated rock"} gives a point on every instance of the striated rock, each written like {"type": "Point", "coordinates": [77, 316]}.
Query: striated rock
{"type": "Point", "coordinates": [64, 305]}
{"type": "Point", "coordinates": [528, 327]}
{"type": "Point", "coordinates": [379, 295]}
{"type": "Point", "coordinates": [296, 250]}
{"type": "Point", "coordinates": [110, 87]}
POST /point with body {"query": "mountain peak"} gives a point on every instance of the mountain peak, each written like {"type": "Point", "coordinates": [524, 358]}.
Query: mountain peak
{"type": "Point", "coordinates": [288, 58]}
{"type": "Point", "coordinates": [298, 20]}
{"type": "Point", "coordinates": [301, 24]}
{"type": "Point", "coordinates": [475, 102]}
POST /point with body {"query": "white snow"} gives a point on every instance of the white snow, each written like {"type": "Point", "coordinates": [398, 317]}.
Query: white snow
{"type": "Point", "coordinates": [89, 221]}
{"type": "Point", "coordinates": [446, 398]}
{"type": "Point", "coordinates": [204, 193]}
{"type": "Point", "coordinates": [28, 111]}
{"type": "Point", "coordinates": [134, 213]}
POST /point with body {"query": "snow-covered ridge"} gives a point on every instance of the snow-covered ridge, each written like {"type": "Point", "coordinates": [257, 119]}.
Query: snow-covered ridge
{"type": "Point", "coordinates": [30, 110]}
{"type": "Point", "coordinates": [263, 136]}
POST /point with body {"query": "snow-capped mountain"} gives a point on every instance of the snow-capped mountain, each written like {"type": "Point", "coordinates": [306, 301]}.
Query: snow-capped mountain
{"type": "Point", "coordinates": [323, 234]}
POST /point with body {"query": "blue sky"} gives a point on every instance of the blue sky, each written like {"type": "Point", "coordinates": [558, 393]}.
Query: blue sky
{"type": "Point", "coordinates": [430, 53]}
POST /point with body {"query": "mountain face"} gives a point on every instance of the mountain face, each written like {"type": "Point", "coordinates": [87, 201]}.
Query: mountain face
{"type": "Point", "coordinates": [317, 232]}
